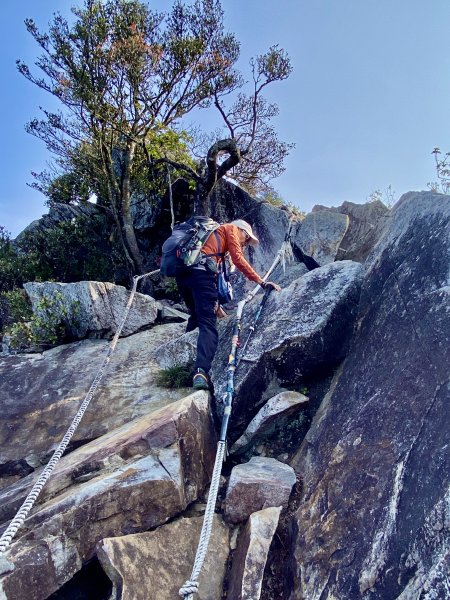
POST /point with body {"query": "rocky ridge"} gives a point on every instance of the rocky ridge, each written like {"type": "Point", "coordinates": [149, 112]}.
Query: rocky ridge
{"type": "Point", "coordinates": [367, 344]}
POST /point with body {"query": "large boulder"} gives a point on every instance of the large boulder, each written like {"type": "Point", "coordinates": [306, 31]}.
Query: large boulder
{"type": "Point", "coordinates": [42, 392]}
{"type": "Point", "coordinates": [92, 308]}
{"type": "Point", "coordinates": [156, 564]}
{"type": "Point", "coordinates": [320, 234]}
{"type": "Point", "coordinates": [374, 520]}
{"type": "Point", "coordinates": [128, 481]}
{"type": "Point", "coordinates": [257, 484]}
{"type": "Point", "coordinates": [366, 224]}
{"type": "Point", "coordinates": [304, 330]}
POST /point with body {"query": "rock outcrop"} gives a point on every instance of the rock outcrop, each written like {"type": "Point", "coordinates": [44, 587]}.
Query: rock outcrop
{"type": "Point", "coordinates": [92, 308]}
{"type": "Point", "coordinates": [369, 516]}
{"type": "Point", "coordinates": [42, 392]}
{"type": "Point", "coordinates": [59, 213]}
{"type": "Point", "coordinates": [373, 520]}
{"type": "Point", "coordinates": [320, 234]}
{"type": "Point", "coordinates": [156, 564]}
{"type": "Point", "coordinates": [132, 479]}
{"type": "Point", "coordinates": [366, 224]}
{"type": "Point", "coordinates": [309, 329]}
{"type": "Point", "coordinates": [274, 413]}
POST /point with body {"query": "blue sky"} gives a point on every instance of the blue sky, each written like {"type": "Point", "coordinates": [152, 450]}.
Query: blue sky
{"type": "Point", "coordinates": [368, 101]}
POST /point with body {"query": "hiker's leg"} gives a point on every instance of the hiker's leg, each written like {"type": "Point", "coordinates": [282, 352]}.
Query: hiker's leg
{"type": "Point", "coordinates": [188, 297]}
{"type": "Point", "coordinates": [204, 290]}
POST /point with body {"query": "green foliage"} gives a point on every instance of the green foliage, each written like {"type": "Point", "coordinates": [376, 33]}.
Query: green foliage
{"type": "Point", "coordinates": [48, 326]}
{"type": "Point", "coordinates": [73, 250]}
{"type": "Point", "coordinates": [15, 307]}
{"type": "Point", "coordinates": [13, 269]}
{"type": "Point", "coordinates": [270, 196]}
{"type": "Point", "coordinates": [126, 76]}
{"type": "Point", "coordinates": [170, 285]}
{"type": "Point", "coordinates": [67, 188]}
{"type": "Point", "coordinates": [178, 376]}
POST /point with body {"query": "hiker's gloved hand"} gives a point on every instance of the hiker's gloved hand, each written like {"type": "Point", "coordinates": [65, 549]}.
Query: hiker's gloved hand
{"type": "Point", "coordinates": [266, 285]}
{"type": "Point", "coordinates": [220, 313]}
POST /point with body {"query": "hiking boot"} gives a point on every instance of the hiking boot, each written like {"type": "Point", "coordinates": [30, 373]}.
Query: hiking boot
{"type": "Point", "coordinates": [200, 380]}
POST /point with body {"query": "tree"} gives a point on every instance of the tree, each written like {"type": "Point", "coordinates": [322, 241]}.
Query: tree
{"type": "Point", "coordinates": [442, 171]}
{"type": "Point", "coordinates": [126, 77]}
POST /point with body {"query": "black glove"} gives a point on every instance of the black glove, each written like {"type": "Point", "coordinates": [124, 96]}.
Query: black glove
{"type": "Point", "coordinates": [270, 285]}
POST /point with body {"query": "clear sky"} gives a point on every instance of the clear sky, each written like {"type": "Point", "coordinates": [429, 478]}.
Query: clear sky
{"type": "Point", "coordinates": [368, 101]}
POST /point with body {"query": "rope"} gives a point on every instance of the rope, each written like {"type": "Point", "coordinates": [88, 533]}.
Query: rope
{"type": "Point", "coordinates": [190, 587]}
{"type": "Point", "coordinates": [30, 500]}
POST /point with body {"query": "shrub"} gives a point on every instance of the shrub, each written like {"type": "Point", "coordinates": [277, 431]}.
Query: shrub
{"type": "Point", "coordinates": [14, 269]}
{"type": "Point", "coordinates": [15, 307]}
{"type": "Point", "coordinates": [177, 376]}
{"type": "Point", "coordinates": [48, 326]}
{"type": "Point", "coordinates": [73, 250]}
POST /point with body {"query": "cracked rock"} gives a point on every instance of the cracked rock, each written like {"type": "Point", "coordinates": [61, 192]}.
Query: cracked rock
{"type": "Point", "coordinates": [375, 463]}
{"type": "Point", "coordinates": [156, 564]}
{"type": "Point", "coordinates": [144, 473]}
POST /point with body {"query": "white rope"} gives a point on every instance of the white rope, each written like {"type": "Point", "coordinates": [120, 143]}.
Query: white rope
{"type": "Point", "coordinates": [30, 500]}
{"type": "Point", "coordinates": [190, 587]}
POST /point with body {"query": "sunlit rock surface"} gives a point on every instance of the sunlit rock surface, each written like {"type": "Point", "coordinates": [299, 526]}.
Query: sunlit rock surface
{"type": "Point", "coordinates": [374, 520]}
{"type": "Point", "coordinates": [130, 480]}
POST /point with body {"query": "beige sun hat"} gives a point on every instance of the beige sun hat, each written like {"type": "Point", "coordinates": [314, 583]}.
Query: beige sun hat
{"type": "Point", "coordinates": [253, 241]}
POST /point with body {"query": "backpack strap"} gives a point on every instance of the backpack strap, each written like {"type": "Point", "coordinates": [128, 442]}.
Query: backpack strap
{"type": "Point", "coordinates": [222, 265]}
{"type": "Point", "coordinates": [219, 253]}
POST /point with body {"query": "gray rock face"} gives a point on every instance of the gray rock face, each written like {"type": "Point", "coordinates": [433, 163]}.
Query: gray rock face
{"type": "Point", "coordinates": [250, 557]}
{"type": "Point", "coordinates": [93, 308]}
{"type": "Point", "coordinates": [62, 212]}
{"type": "Point", "coordinates": [156, 564]}
{"type": "Point", "coordinates": [270, 225]}
{"type": "Point", "coordinates": [42, 392]}
{"type": "Point", "coordinates": [307, 328]}
{"type": "Point", "coordinates": [258, 484]}
{"type": "Point", "coordinates": [374, 521]}
{"type": "Point", "coordinates": [168, 314]}
{"type": "Point", "coordinates": [128, 481]}
{"type": "Point", "coordinates": [180, 350]}
{"type": "Point", "coordinates": [320, 235]}
{"type": "Point", "coordinates": [274, 413]}
{"type": "Point", "coordinates": [366, 224]}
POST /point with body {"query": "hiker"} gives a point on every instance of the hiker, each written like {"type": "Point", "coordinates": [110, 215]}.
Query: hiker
{"type": "Point", "coordinates": [198, 287]}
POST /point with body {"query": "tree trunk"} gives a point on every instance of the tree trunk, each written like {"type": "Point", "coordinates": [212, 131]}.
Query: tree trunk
{"type": "Point", "coordinates": [128, 228]}
{"type": "Point", "coordinates": [215, 172]}
{"type": "Point", "coordinates": [114, 196]}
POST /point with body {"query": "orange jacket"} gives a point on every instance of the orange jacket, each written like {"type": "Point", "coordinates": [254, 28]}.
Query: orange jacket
{"type": "Point", "coordinates": [230, 242]}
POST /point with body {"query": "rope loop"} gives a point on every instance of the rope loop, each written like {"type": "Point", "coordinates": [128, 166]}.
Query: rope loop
{"type": "Point", "coordinates": [190, 587]}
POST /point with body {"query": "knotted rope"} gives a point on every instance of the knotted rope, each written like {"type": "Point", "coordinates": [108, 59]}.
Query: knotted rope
{"type": "Point", "coordinates": [30, 500]}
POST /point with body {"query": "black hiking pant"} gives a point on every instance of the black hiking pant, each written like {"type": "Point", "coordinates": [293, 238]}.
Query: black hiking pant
{"type": "Point", "coordinates": [198, 289]}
